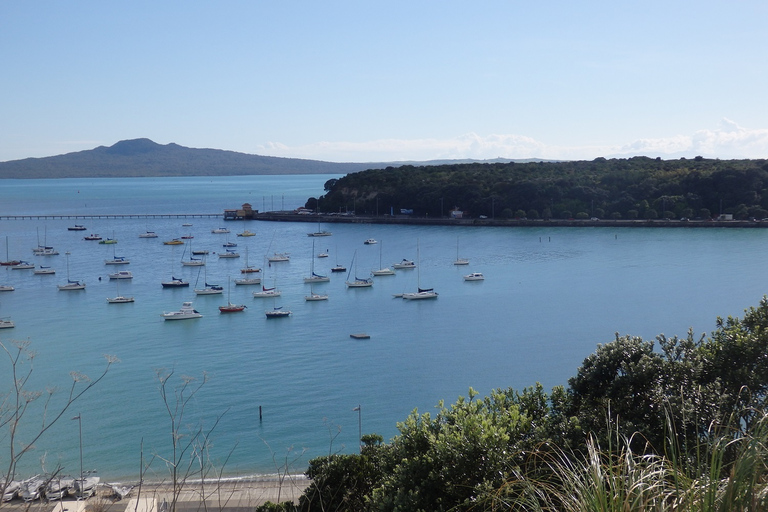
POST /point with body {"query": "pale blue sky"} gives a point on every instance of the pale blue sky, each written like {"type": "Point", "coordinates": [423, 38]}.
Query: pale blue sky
{"type": "Point", "coordinates": [395, 80]}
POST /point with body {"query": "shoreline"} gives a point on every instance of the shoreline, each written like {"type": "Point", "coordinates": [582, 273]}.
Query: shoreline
{"type": "Point", "coordinates": [539, 223]}
{"type": "Point", "coordinates": [214, 494]}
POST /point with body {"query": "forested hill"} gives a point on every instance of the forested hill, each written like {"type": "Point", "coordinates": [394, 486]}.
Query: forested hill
{"type": "Point", "coordinates": [634, 188]}
{"type": "Point", "coordinates": [143, 157]}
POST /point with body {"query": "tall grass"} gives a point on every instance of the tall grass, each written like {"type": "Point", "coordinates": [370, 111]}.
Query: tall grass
{"type": "Point", "coordinates": [729, 474]}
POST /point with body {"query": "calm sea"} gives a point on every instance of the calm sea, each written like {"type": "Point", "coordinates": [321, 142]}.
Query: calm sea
{"type": "Point", "coordinates": [550, 296]}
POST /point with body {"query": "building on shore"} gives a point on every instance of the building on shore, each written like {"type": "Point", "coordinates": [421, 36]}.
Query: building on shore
{"type": "Point", "coordinates": [245, 212]}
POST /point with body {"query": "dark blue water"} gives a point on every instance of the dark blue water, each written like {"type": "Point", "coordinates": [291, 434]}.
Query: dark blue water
{"type": "Point", "coordinates": [550, 296]}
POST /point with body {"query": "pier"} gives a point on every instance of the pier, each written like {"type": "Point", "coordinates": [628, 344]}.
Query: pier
{"type": "Point", "coordinates": [113, 216]}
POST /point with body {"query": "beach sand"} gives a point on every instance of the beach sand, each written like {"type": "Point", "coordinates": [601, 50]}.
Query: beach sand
{"type": "Point", "coordinates": [226, 496]}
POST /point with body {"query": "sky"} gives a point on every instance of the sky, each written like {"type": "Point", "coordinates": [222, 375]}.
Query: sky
{"type": "Point", "coordinates": [367, 81]}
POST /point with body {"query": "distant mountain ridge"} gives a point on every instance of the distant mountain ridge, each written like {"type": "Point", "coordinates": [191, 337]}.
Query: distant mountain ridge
{"type": "Point", "coordinates": [146, 158]}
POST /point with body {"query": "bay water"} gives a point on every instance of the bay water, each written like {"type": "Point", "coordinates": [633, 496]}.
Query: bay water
{"type": "Point", "coordinates": [549, 297]}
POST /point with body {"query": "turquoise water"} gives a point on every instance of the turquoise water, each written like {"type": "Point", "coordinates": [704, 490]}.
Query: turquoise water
{"type": "Point", "coordinates": [549, 297]}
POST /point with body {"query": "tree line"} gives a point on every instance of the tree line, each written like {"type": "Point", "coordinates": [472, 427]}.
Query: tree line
{"type": "Point", "coordinates": [633, 188]}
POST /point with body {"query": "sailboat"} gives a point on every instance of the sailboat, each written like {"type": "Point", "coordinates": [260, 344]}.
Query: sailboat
{"type": "Point", "coordinates": [357, 282]}
{"type": "Point", "coordinates": [313, 277]}
{"type": "Point", "coordinates": [338, 267]}
{"type": "Point", "coordinates": [175, 282]}
{"type": "Point", "coordinates": [210, 289]}
{"type": "Point", "coordinates": [248, 272]}
{"type": "Point", "coordinates": [315, 296]}
{"type": "Point", "coordinates": [459, 261]}
{"type": "Point", "coordinates": [44, 250]}
{"type": "Point", "coordinates": [119, 299]}
{"type": "Point", "coordinates": [420, 293]}
{"type": "Point", "coordinates": [192, 261]}
{"type": "Point", "coordinates": [117, 260]}
{"type": "Point", "coordinates": [8, 261]}
{"type": "Point", "coordinates": [247, 269]}
{"type": "Point", "coordinates": [267, 292]}
{"type": "Point", "coordinates": [231, 308]}
{"type": "Point", "coordinates": [71, 285]}
{"type": "Point", "coordinates": [383, 271]}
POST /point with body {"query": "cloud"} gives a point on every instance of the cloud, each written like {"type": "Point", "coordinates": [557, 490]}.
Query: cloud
{"type": "Point", "coordinates": [728, 140]}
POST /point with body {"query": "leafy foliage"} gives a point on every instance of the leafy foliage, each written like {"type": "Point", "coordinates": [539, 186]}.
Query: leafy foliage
{"type": "Point", "coordinates": [678, 426]}
{"type": "Point", "coordinates": [638, 187]}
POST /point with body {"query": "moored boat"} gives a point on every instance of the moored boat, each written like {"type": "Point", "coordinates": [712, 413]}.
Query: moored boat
{"type": "Point", "coordinates": [123, 274]}
{"type": "Point", "coordinates": [6, 323]}
{"type": "Point", "coordinates": [185, 313]}
{"type": "Point", "coordinates": [92, 236]}
{"type": "Point", "coordinates": [474, 276]}
{"type": "Point", "coordinates": [76, 227]}
{"type": "Point", "coordinates": [405, 264]}
{"type": "Point", "coordinates": [41, 270]}
{"type": "Point", "coordinates": [148, 234]}
{"type": "Point", "coordinates": [175, 282]}
{"type": "Point", "coordinates": [278, 312]}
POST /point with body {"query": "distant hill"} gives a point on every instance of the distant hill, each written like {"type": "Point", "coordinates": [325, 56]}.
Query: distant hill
{"type": "Point", "coordinates": [143, 157]}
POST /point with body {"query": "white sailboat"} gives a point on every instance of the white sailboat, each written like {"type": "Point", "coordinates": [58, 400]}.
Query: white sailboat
{"type": "Point", "coordinates": [209, 289]}
{"type": "Point", "coordinates": [357, 282]}
{"type": "Point", "coordinates": [313, 277]}
{"type": "Point", "coordinates": [119, 299]}
{"type": "Point", "coordinates": [71, 285]}
{"type": "Point", "coordinates": [420, 293]}
{"type": "Point", "coordinates": [192, 261]}
{"type": "Point", "coordinates": [248, 273]}
{"type": "Point", "coordinates": [382, 271]}
{"type": "Point", "coordinates": [459, 261]}
{"type": "Point", "coordinates": [247, 269]}
{"type": "Point", "coordinates": [116, 260]}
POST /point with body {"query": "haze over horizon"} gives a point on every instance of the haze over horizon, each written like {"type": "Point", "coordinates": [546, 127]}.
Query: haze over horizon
{"type": "Point", "coordinates": [344, 81]}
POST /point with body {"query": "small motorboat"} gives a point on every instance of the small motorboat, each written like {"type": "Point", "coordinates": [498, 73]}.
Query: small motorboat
{"type": "Point", "coordinates": [175, 241]}
{"type": "Point", "coordinates": [108, 241]}
{"type": "Point", "coordinates": [405, 264]}
{"type": "Point", "coordinates": [76, 227]}
{"type": "Point", "coordinates": [41, 270]}
{"type": "Point", "coordinates": [123, 274]}
{"type": "Point", "coordinates": [6, 323]}
{"type": "Point", "coordinates": [6, 288]}
{"type": "Point", "coordinates": [248, 280]}
{"type": "Point", "coordinates": [474, 276]}
{"type": "Point", "coordinates": [185, 313]}
{"type": "Point", "coordinates": [119, 300]}
{"type": "Point", "coordinates": [92, 236]}
{"type": "Point", "coordinates": [370, 241]}
{"type": "Point", "coordinates": [148, 234]}
{"type": "Point", "coordinates": [246, 233]}
{"type": "Point", "coordinates": [22, 265]}
{"type": "Point", "coordinates": [279, 256]}
{"type": "Point", "coordinates": [230, 253]}
{"type": "Point", "coordinates": [220, 231]}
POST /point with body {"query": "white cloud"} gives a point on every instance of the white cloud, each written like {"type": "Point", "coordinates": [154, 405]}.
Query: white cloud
{"type": "Point", "coordinates": [729, 140]}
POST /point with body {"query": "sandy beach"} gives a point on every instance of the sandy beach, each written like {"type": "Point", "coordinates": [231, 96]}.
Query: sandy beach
{"type": "Point", "coordinates": [230, 495]}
